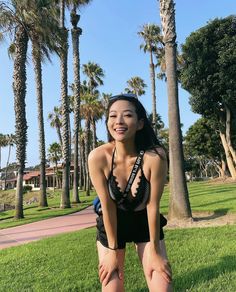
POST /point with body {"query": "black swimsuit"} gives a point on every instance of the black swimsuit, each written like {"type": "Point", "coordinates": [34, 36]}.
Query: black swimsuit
{"type": "Point", "coordinates": [132, 222]}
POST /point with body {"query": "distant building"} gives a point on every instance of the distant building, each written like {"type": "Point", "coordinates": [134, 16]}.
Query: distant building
{"type": "Point", "coordinates": [32, 178]}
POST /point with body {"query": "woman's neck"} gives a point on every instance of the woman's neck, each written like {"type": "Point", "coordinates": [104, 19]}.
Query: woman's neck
{"type": "Point", "coordinates": [125, 150]}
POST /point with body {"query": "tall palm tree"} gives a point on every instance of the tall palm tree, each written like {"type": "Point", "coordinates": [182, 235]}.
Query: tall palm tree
{"type": "Point", "coordinates": [179, 207]}
{"type": "Point", "coordinates": [65, 196]}
{"type": "Point", "coordinates": [44, 40]}
{"type": "Point", "coordinates": [75, 34]}
{"type": "Point", "coordinates": [151, 35]}
{"type": "Point", "coordinates": [136, 85]}
{"type": "Point", "coordinates": [55, 121]}
{"type": "Point", "coordinates": [88, 101]}
{"type": "Point", "coordinates": [94, 74]}
{"type": "Point", "coordinates": [14, 16]}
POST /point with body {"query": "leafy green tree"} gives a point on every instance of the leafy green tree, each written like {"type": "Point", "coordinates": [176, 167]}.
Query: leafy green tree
{"type": "Point", "coordinates": [136, 86]}
{"type": "Point", "coordinates": [209, 74]}
{"type": "Point", "coordinates": [179, 207]}
{"type": "Point", "coordinates": [152, 43]}
{"type": "Point", "coordinates": [203, 142]}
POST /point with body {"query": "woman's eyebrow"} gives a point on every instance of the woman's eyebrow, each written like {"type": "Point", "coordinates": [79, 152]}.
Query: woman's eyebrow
{"type": "Point", "coordinates": [127, 110]}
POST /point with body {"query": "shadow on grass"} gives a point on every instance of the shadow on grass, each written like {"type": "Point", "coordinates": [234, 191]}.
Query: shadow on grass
{"type": "Point", "coordinates": [225, 265]}
{"type": "Point", "coordinates": [216, 202]}
{"type": "Point", "coordinates": [217, 213]}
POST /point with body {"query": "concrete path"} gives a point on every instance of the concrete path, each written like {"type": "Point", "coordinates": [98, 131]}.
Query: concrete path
{"type": "Point", "coordinates": [35, 231]}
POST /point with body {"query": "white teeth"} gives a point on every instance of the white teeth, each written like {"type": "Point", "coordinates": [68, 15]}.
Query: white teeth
{"type": "Point", "coordinates": [120, 129]}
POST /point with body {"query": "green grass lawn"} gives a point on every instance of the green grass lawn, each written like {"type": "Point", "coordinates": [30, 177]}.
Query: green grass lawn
{"type": "Point", "coordinates": [33, 213]}
{"type": "Point", "coordinates": [203, 260]}
{"type": "Point", "coordinates": [208, 196]}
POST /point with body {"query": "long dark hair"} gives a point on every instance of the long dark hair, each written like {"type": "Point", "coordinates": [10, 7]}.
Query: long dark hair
{"type": "Point", "coordinates": [145, 138]}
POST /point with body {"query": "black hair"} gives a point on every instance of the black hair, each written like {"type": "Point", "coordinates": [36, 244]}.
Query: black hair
{"type": "Point", "coordinates": [145, 138]}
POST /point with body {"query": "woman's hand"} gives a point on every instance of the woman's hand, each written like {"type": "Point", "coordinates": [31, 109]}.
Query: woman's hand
{"type": "Point", "coordinates": [159, 264]}
{"type": "Point", "coordinates": [108, 266]}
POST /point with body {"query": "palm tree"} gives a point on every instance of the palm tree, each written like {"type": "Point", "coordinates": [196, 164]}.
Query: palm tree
{"type": "Point", "coordinates": [3, 143]}
{"type": "Point", "coordinates": [65, 196]}
{"type": "Point", "coordinates": [136, 85]}
{"type": "Point", "coordinates": [151, 35]}
{"type": "Point", "coordinates": [14, 16]}
{"type": "Point", "coordinates": [179, 201]}
{"type": "Point", "coordinates": [44, 40]}
{"type": "Point", "coordinates": [75, 34]}
{"type": "Point", "coordinates": [55, 121]}
{"type": "Point", "coordinates": [94, 74]}
{"type": "Point", "coordinates": [54, 156]}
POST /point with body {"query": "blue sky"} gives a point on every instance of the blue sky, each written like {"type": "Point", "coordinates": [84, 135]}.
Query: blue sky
{"type": "Point", "coordinates": [110, 39]}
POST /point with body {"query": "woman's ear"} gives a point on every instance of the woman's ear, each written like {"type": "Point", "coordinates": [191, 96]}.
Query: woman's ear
{"type": "Point", "coordinates": [140, 124]}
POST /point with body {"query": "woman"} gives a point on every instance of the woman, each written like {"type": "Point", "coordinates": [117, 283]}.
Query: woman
{"type": "Point", "coordinates": [130, 216]}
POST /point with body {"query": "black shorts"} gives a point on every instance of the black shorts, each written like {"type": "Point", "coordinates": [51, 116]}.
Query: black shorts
{"type": "Point", "coordinates": [131, 227]}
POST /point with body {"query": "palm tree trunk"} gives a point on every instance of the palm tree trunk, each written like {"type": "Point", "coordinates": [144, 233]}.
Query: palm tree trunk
{"type": "Point", "coordinates": [179, 207]}
{"type": "Point", "coordinates": [152, 77]}
{"type": "Point", "coordinates": [65, 196]}
{"type": "Point", "coordinates": [86, 143]}
{"type": "Point", "coordinates": [94, 133]}
{"type": "Point", "coordinates": [19, 88]}
{"type": "Point", "coordinates": [58, 128]}
{"type": "Point", "coordinates": [75, 33]}
{"type": "Point", "coordinates": [82, 164]}
{"type": "Point", "coordinates": [8, 159]}
{"type": "Point", "coordinates": [39, 92]}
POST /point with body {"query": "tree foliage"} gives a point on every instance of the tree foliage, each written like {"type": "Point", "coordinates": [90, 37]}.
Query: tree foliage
{"type": "Point", "coordinates": [209, 70]}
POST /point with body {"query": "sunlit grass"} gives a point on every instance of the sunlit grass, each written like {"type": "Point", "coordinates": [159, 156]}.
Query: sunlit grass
{"type": "Point", "coordinates": [202, 260]}
{"type": "Point", "coordinates": [207, 196]}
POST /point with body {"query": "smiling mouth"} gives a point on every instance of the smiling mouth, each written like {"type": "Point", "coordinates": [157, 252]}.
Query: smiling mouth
{"type": "Point", "coordinates": [120, 130]}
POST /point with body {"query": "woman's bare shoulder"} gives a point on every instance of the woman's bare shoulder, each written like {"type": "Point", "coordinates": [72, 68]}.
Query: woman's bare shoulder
{"type": "Point", "coordinates": [101, 153]}
{"type": "Point", "coordinates": [156, 154]}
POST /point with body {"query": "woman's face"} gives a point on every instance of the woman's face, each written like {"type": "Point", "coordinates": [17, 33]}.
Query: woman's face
{"type": "Point", "coordinates": [123, 121]}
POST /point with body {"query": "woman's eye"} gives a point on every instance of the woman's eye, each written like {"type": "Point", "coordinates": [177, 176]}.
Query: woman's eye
{"type": "Point", "coordinates": [112, 116]}
{"type": "Point", "coordinates": [128, 115]}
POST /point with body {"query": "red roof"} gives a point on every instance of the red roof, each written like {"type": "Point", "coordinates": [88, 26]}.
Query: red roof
{"type": "Point", "coordinates": [31, 175]}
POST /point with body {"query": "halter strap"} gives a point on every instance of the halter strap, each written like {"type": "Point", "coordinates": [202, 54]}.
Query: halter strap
{"type": "Point", "coordinates": [133, 173]}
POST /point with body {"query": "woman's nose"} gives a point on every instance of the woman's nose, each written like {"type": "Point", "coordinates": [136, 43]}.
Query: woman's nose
{"type": "Point", "coordinates": [119, 119]}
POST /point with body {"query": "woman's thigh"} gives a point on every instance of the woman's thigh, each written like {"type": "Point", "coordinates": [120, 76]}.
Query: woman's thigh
{"type": "Point", "coordinates": [115, 284]}
{"type": "Point", "coordinates": [157, 283]}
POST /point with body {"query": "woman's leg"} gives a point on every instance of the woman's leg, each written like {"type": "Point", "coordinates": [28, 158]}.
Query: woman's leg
{"type": "Point", "coordinates": [157, 283]}
{"type": "Point", "coordinates": [115, 284]}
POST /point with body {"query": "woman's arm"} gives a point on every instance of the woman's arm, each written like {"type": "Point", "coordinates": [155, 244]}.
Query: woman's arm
{"type": "Point", "coordinates": [96, 162]}
{"type": "Point", "coordinates": [109, 264]}
{"type": "Point", "coordinates": [158, 172]}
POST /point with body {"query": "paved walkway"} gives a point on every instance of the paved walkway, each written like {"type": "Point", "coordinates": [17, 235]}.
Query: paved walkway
{"type": "Point", "coordinates": [35, 231]}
